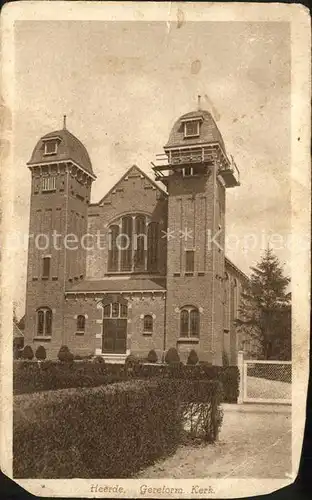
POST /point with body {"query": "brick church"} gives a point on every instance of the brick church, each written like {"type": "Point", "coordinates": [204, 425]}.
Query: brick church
{"type": "Point", "coordinates": [142, 269]}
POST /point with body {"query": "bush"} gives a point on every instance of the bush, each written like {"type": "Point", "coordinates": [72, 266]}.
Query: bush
{"type": "Point", "coordinates": [192, 358]}
{"type": "Point", "coordinates": [28, 353]}
{"type": "Point", "coordinates": [65, 355]}
{"type": "Point", "coordinates": [172, 356]}
{"type": "Point", "coordinates": [17, 353]}
{"type": "Point", "coordinates": [41, 353]}
{"type": "Point", "coordinates": [152, 356]}
{"type": "Point", "coordinates": [99, 359]}
{"type": "Point", "coordinates": [57, 434]}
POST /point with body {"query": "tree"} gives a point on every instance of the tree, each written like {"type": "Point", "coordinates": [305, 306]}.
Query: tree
{"type": "Point", "coordinates": [264, 314]}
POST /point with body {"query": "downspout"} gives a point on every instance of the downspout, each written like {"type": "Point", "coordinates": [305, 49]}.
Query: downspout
{"type": "Point", "coordinates": [165, 329]}
{"type": "Point", "coordinates": [213, 264]}
{"type": "Point", "coordinates": [65, 252]}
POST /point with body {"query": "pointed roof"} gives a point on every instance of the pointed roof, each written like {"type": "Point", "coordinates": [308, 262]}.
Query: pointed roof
{"type": "Point", "coordinates": [132, 171]}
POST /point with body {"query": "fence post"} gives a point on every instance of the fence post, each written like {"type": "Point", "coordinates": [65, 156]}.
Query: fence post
{"type": "Point", "coordinates": [240, 364]}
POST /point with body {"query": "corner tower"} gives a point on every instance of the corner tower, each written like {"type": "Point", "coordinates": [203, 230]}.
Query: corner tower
{"type": "Point", "coordinates": [196, 171]}
{"type": "Point", "coordinates": [61, 178]}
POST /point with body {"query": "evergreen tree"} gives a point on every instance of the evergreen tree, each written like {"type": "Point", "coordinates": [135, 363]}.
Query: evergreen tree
{"type": "Point", "coordinates": [264, 313]}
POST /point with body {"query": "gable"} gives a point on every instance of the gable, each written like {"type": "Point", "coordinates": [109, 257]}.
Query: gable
{"type": "Point", "coordinates": [133, 173]}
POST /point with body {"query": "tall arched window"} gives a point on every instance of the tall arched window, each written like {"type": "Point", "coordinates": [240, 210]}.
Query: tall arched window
{"type": "Point", "coordinates": [133, 245]}
{"type": "Point", "coordinates": [148, 323]}
{"type": "Point", "coordinates": [81, 323]}
{"type": "Point", "coordinates": [189, 322]}
{"type": "Point", "coordinates": [44, 322]}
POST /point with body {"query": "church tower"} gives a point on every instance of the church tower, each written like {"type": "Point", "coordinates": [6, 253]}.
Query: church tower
{"type": "Point", "coordinates": [196, 171]}
{"type": "Point", "coordinates": [61, 178]}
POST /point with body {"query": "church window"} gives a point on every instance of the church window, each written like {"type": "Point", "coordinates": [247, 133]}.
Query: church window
{"type": "Point", "coordinates": [46, 264]}
{"type": "Point", "coordinates": [50, 147]}
{"type": "Point", "coordinates": [189, 261]}
{"type": "Point", "coordinates": [189, 322]}
{"type": "Point", "coordinates": [44, 322]}
{"type": "Point", "coordinates": [133, 245]}
{"type": "Point", "coordinates": [148, 323]}
{"type": "Point", "coordinates": [191, 128]}
{"type": "Point", "coordinates": [81, 323]}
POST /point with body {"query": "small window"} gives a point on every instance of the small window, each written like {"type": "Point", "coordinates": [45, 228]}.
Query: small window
{"type": "Point", "coordinates": [189, 261]}
{"type": "Point", "coordinates": [191, 129]}
{"type": "Point", "coordinates": [188, 172]}
{"type": "Point", "coordinates": [46, 262]}
{"type": "Point", "coordinates": [148, 323]}
{"type": "Point", "coordinates": [81, 323]}
{"type": "Point", "coordinates": [50, 147]}
{"type": "Point", "coordinates": [49, 183]}
{"type": "Point", "coordinates": [44, 322]}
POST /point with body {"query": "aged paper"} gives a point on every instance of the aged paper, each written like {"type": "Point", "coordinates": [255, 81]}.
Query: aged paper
{"type": "Point", "coordinates": [177, 107]}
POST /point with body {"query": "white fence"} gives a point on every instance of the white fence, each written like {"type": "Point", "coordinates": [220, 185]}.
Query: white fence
{"type": "Point", "coordinates": [264, 381]}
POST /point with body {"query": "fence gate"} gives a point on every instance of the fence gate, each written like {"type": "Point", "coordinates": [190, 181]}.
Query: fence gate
{"type": "Point", "coordinates": [266, 381]}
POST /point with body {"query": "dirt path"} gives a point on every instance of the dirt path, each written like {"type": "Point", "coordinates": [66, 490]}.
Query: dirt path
{"type": "Point", "coordinates": [254, 442]}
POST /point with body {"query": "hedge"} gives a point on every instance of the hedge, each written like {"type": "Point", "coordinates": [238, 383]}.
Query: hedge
{"type": "Point", "coordinates": [112, 431]}
{"type": "Point", "coordinates": [107, 432]}
{"type": "Point", "coordinates": [48, 375]}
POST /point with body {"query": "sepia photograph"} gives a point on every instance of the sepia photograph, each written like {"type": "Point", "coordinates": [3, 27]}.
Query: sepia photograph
{"type": "Point", "coordinates": [156, 266]}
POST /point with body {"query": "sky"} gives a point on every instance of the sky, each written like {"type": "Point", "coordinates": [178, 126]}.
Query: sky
{"type": "Point", "coordinates": [122, 86]}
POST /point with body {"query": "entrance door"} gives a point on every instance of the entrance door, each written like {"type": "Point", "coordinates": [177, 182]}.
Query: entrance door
{"type": "Point", "coordinates": [114, 338]}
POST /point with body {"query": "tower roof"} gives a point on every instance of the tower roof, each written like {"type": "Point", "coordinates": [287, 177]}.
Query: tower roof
{"type": "Point", "coordinates": [208, 131]}
{"type": "Point", "coordinates": [68, 148]}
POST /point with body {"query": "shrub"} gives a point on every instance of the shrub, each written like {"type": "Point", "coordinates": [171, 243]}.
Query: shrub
{"type": "Point", "coordinates": [99, 359]}
{"type": "Point", "coordinates": [17, 353]}
{"type": "Point", "coordinates": [152, 356]}
{"type": "Point", "coordinates": [28, 353]}
{"type": "Point", "coordinates": [65, 355]}
{"type": "Point", "coordinates": [41, 353]}
{"type": "Point", "coordinates": [192, 358]}
{"type": "Point", "coordinates": [57, 433]}
{"type": "Point", "coordinates": [172, 356]}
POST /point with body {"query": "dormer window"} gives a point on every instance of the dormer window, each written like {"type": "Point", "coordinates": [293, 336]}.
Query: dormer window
{"type": "Point", "coordinates": [50, 147]}
{"type": "Point", "coordinates": [191, 128]}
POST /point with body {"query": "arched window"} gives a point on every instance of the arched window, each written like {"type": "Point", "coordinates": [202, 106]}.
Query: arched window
{"type": "Point", "coordinates": [115, 310]}
{"type": "Point", "coordinates": [227, 307]}
{"type": "Point", "coordinates": [81, 323]}
{"type": "Point", "coordinates": [148, 323]}
{"type": "Point", "coordinates": [44, 322]}
{"type": "Point", "coordinates": [189, 322]}
{"type": "Point", "coordinates": [133, 245]}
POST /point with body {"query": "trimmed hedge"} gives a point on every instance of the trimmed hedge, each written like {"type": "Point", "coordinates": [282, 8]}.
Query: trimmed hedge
{"type": "Point", "coordinates": [107, 432]}
{"type": "Point", "coordinates": [113, 431]}
{"type": "Point", "coordinates": [48, 375]}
